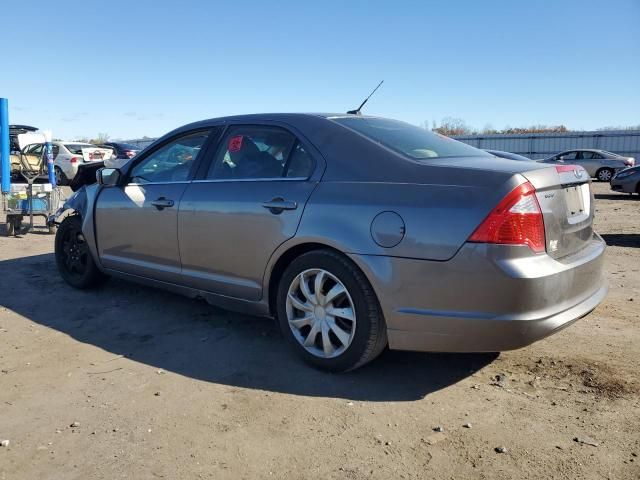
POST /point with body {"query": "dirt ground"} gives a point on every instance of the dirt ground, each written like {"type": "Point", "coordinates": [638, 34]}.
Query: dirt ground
{"type": "Point", "coordinates": [129, 382]}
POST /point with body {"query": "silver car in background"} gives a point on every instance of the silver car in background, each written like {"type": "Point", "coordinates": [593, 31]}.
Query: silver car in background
{"type": "Point", "coordinates": [627, 181]}
{"type": "Point", "coordinates": [599, 164]}
{"type": "Point", "coordinates": [355, 232]}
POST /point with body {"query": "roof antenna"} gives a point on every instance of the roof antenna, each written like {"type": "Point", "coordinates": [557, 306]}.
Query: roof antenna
{"type": "Point", "coordinates": [357, 111]}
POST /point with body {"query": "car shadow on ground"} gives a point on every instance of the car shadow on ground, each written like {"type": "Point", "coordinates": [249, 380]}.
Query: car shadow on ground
{"type": "Point", "coordinates": [622, 239]}
{"type": "Point", "coordinates": [196, 340]}
{"type": "Point", "coordinates": [616, 196]}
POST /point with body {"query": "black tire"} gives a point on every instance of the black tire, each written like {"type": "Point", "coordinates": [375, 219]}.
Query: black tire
{"type": "Point", "coordinates": [73, 258]}
{"type": "Point", "coordinates": [10, 227]}
{"type": "Point", "coordinates": [61, 178]}
{"type": "Point", "coordinates": [604, 174]}
{"type": "Point", "coordinates": [370, 336]}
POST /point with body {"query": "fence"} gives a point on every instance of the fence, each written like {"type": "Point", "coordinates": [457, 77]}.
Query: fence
{"type": "Point", "coordinates": [543, 145]}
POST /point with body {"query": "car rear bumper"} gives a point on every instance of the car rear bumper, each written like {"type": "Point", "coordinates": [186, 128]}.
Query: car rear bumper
{"type": "Point", "coordinates": [487, 298]}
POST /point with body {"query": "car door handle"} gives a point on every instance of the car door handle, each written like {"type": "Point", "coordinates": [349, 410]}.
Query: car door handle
{"type": "Point", "coordinates": [277, 205]}
{"type": "Point", "coordinates": [162, 202]}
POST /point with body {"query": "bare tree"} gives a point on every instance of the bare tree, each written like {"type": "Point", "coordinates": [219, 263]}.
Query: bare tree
{"type": "Point", "coordinates": [101, 138]}
{"type": "Point", "coordinates": [452, 126]}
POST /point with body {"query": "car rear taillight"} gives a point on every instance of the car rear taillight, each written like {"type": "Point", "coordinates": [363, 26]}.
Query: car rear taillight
{"type": "Point", "coordinates": [517, 220]}
{"type": "Point", "coordinates": [73, 160]}
{"type": "Point", "coordinates": [566, 168]}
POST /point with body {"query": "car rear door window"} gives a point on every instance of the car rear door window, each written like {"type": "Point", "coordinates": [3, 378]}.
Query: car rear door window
{"type": "Point", "coordinates": [585, 155]}
{"type": "Point", "coordinates": [253, 152]}
{"type": "Point", "coordinates": [300, 164]}
{"type": "Point", "coordinates": [171, 162]}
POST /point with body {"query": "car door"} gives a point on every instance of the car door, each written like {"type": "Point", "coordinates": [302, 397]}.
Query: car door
{"type": "Point", "coordinates": [588, 160]}
{"type": "Point", "coordinates": [248, 202]}
{"type": "Point", "coordinates": [32, 156]}
{"type": "Point", "coordinates": [136, 222]}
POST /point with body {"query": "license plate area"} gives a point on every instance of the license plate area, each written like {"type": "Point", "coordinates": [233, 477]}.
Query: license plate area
{"type": "Point", "coordinates": [578, 202]}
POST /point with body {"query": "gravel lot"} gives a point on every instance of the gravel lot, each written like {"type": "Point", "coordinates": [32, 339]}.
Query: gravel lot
{"type": "Point", "coordinates": [129, 382]}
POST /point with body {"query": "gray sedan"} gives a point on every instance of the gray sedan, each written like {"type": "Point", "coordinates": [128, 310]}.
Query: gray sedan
{"type": "Point", "coordinates": [627, 181]}
{"type": "Point", "coordinates": [354, 232]}
{"type": "Point", "coordinates": [599, 163]}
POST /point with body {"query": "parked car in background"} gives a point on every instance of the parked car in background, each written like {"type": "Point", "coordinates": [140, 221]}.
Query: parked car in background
{"type": "Point", "coordinates": [68, 155]}
{"type": "Point", "coordinates": [122, 150]}
{"type": "Point", "coordinates": [627, 181]}
{"type": "Point", "coordinates": [599, 164]}
{"type": "Point", "coordinates": [21, 137]}
{"type": "Point", "coordinates": [354, 232]}
{"type": "Point", "coordinates": [509, 155]}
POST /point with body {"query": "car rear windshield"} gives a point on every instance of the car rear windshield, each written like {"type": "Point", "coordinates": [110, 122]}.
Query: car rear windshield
{"type": "Point", "coordinates": [415, 142]}
{"type": "Point", "coordinates": [76, 148]}
{"type": "Point", "coordinates": [611, 154]}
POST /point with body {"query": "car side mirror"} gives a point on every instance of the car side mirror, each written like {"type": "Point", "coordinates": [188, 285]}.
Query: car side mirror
{"type": "Point", "coordinates": [109, 177]}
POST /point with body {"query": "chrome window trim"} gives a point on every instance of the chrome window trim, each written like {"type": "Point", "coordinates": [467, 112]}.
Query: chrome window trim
{"type": "Point", "coordinates": [135, 184]}
{"type": "Point", "coordinates": [234, 180]}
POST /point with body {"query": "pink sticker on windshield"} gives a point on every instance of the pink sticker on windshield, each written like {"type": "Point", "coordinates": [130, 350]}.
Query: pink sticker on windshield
{"type": "Point", "coordinates": [235, 143]}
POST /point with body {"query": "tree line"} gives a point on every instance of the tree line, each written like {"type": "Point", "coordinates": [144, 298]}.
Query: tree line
{"type": "Point", "coordinates": [451, 126]}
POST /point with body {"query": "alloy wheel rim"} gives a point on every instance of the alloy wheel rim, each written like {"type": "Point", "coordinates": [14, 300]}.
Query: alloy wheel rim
{"type": "Point", "coordinates": [605, 175]}
{"type": "Point", "coordinates": [76, 252]}
{"type": "Point", "coordinates": [321, 313]}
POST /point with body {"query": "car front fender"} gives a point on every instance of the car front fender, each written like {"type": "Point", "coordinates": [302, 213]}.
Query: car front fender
{"type": "Point", "coordinates": [81, 203]}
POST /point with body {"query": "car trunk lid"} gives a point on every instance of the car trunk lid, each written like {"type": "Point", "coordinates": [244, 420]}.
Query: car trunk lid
{"type": "Point", "coordinates": [565, 198]}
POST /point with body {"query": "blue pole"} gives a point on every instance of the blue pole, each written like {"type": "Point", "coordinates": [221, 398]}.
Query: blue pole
{"type": "Point", "coordinates": [48, 154]}
{"type": "Point", "coordinates": [5, 159]}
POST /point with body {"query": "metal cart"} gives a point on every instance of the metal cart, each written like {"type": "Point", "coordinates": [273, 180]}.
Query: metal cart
{"type": "Point", "coordinates": [30, 199]}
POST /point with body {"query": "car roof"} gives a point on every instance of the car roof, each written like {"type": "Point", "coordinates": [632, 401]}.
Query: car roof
{"type": "Point", "coordinates": [587, 150]}
{"type": "Point", "coordinates": [283, 117]}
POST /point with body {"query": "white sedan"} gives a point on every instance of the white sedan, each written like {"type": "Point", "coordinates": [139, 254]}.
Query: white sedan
{"type": "Point", "coordinates": [68, 155]}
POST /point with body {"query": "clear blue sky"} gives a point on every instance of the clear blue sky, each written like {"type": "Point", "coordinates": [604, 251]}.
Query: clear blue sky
{"type": "Point", "coordinates": [133, 68]}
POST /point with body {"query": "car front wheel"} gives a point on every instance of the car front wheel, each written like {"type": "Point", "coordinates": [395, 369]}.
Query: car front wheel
{"type": "Point", "coordinates": [74, 261]}
{"type": "Point", "coordinates": [329, 313]}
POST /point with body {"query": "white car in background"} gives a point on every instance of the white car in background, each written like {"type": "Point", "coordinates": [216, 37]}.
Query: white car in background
{"type": "Point", "coordinates": [68, 155]}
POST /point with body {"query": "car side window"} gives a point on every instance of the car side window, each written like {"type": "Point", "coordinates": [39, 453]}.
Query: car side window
{"type": "Point", "coordinates": [597, 156]}
{"type": "Point", "coordinates": [586, 155]}
{"type": "Point", "coordinates": [300, 164]}
{"type": "Point", "coordinates": [568, 156]}
{"type": "Point", "coordinates": [171, 162]}
{"type": "Point", "coordinates": [36, 150]}
{"type": "Point", "coordinates": [251, 152]}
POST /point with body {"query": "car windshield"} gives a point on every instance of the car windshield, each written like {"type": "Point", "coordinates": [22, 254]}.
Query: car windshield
{"type": "Point", "coordinates": [415, 142]}
{"type": "Point", "coordinates": [76, 148]}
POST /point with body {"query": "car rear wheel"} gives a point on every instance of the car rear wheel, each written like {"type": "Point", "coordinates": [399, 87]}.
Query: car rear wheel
{"type": "Point", "coordinates": [329, 313]}
{"type": "Point", "coordinates": [61, 178]}
{"type": "Point", "coordinates": [604, 174]}
{"type": "Point", "coordinates": [75, 263]}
